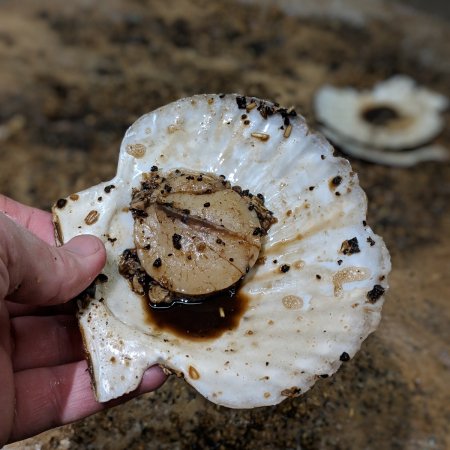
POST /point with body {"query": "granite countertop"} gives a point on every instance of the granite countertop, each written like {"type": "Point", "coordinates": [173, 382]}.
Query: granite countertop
{"type": "Point", "coordinates": [74, 75]}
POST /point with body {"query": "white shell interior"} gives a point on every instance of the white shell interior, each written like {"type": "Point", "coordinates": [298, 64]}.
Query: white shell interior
{"type": "Point", "coordinates": [298, 323]}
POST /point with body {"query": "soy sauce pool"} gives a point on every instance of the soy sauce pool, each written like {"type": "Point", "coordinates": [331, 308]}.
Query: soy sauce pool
{"type": "Point", "coordinates": [206, 320]}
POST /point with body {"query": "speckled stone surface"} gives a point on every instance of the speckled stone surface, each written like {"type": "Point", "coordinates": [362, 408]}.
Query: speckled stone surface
{"type": "Point", "coordinates": [75, 75]}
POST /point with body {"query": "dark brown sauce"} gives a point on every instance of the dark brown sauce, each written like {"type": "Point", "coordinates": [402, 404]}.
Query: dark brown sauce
{"type": "Point", "coordinates": [201, 321]}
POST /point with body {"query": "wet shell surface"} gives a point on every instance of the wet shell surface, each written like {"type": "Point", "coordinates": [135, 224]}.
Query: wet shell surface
{"type": "Point", "coordinates": [389, 124]}
{"type": "Point", "coordinates": [315, 294]}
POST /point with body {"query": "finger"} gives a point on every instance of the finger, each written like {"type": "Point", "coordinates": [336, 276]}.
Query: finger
{"type": "Point", "coordinates": [35, 220]}
{"type": "Point", "coordinates": [16, 309]}
{"type": "Point", "coordinates": [19, 310]}
{"type": "Point", "coordinates": [45, 341]}
{"type": "Point", "coordinates": [50, 397]}
{"type": "Point", "coordinates": [45, 275]}
{"type": "Point", "coordinates": [6, 395]}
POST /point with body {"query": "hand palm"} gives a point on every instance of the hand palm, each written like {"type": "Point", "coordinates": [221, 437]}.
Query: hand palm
{"type": "Point", "coordinates": [44, 377]}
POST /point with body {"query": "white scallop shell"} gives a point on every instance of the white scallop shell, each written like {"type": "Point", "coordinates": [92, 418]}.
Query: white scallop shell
{"type": "Point", "coordinates": [340, 110]}
{"type": "Point", "coordinates": [297, 326]}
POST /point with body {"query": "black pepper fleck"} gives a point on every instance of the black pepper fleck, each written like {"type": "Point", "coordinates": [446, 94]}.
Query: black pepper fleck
{"type": "Point", "coordinates": [102, 278]}
{"type": "Point", "coordinates": [345, 357]}
{"type": "Point", "coordinates": [285, 268]}
{"type": "Point", "coordinates": [336, 181]}
{"type": "Point", "coordinates": [370, 241]}
{"type": "Point", "coordinates": [61, 203]}
{"type": "Point", "coordinates": [207, 204]}
{"type": "Point", "coordinates": [350, 246]}
{"type": "Point", "coordinates": [241, 102]}
{"type": "Point", "coordinates": [375, 293]}
{"type": "Point", "coordinates": [258, 231]}
{"type": "Point", "coordinates": [176, 240]}
{"type": "Point", "coordinates": [154, 169]}
{"type": "Point", "coordinates": [109, 188]}
{"type": "Point", "coordinates": [157, 262]}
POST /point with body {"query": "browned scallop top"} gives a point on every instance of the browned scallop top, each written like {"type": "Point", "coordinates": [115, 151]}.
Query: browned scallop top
{"type": "Point", "coordinates": [195, 234]}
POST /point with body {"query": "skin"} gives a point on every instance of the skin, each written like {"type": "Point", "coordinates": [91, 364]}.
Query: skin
{"type": "Point", "coordinates": [44, 377]}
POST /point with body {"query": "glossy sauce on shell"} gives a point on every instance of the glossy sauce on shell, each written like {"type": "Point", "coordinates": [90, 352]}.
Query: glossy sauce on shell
{"type": "Point", "coordinates": [204, 321]}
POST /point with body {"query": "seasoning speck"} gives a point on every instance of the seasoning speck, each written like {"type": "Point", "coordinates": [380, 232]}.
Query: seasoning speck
{"type": "Point", "coordinates": [336, 181]}
{"type": "Point", "coordinates": [375, 293]}
{"type": "Point", "coordinates": [176, 240]}
{"type": "Point", "coordinates": [102, 278]}
{"type": "Point", "coordinates": [136, 150]}
{"type": "Point", "coordinates": [350, 246]}
{"type": "Point", "coordinates": [285, 268]}
{"type": "Point", "coordinates": [92, 217]}
{"type": "Point", "coordinates": [261, 136]}
{"type": "Point", "coordinates": [157, 262]}
{"type": "Point", "coordinates": [241, 102]}
{"type": "Point", "coordinates": [287, 131]}
{"type": "Point", "coordinates": [61, 203]}
{"type": "Point", "coordinates": [193, 373]}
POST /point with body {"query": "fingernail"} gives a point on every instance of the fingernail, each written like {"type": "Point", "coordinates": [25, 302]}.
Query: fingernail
{"type": "Point", "coordinates": [83, 245]}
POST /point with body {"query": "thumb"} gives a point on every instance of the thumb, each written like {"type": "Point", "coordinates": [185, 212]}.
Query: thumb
{"type": "Point", "coordinates": [40, 274]}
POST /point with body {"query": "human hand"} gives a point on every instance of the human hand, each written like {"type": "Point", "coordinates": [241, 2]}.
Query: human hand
{"type": "Point", "coordinates": [44, 379]}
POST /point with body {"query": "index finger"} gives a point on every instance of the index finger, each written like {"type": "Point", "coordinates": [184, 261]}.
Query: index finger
{"type": "Point", "coordinates": [35, 220]}
{"type": "Point", "coordinates": [52, 396]}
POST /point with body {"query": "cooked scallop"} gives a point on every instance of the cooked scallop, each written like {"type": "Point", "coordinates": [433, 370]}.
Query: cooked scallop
{"type": "Point", "coordinates": [252, 274]}
{"type": "Point", "coordinates": [191, 221]}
